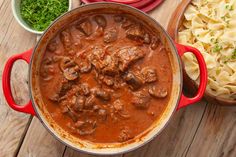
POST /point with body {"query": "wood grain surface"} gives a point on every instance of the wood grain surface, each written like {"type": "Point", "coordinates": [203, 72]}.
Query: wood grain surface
{"type": "Point", "coordinates": [200, 130]}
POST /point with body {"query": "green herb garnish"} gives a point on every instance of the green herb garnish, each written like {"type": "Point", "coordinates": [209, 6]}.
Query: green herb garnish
{"type": "Point", "coordinates": [234, 54]}
{"type": "Point", "coordinates": [217, 48]}
{"type": "Point", "coordinates": [40, 13]}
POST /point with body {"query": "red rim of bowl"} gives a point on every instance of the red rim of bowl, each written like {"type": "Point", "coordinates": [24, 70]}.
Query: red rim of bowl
{"type": "Point", "coordinates": [144, 5]}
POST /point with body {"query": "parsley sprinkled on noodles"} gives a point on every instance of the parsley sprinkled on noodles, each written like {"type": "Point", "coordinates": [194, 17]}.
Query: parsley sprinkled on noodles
{"type": "Point", "coordinates": [210, 26]}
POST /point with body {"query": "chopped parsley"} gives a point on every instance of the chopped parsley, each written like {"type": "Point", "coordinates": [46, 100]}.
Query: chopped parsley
{"type": "Point", "coordinates": [217, 48]}
{"type": "Point", "coordinates": [40, 13]}
{"type": "Point", "coordinates": [234, 54]}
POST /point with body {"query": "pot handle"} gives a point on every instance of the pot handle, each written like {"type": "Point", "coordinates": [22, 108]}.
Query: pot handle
{"type": "Point", "coordinates": [27, 108]}
{"type": "Point", "coordinates": [185, 101]}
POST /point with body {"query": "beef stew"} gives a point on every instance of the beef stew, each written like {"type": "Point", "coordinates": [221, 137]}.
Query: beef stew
{"type": "Point", "coordinates": [106, 78]}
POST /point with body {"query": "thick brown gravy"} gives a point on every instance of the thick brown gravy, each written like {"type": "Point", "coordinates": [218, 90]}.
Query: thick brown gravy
{"type": "Point", "coordinates": [105, 78]}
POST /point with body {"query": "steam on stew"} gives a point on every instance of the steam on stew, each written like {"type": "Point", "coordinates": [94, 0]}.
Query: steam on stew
{"type": "Point", "coordinates": [106, 78]}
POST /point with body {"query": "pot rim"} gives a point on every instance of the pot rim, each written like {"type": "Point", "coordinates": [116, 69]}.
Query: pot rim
{"type": "Point", "coordinates": [52, 130]}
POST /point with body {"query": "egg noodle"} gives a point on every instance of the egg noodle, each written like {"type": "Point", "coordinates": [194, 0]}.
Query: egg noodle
{"type": "Point", "coordinates": [210, 26]}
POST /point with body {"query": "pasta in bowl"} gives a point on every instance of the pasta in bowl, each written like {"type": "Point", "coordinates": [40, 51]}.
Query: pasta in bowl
{"type": "Point", "coordinates": [209, 26]}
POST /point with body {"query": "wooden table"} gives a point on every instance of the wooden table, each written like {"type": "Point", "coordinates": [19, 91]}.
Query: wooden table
{"type": "Point", "coordinates": [201, 130]}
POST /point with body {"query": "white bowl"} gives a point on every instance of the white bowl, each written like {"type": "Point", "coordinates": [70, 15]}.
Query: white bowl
{"type": "Point", "coordinates": [15, 5]}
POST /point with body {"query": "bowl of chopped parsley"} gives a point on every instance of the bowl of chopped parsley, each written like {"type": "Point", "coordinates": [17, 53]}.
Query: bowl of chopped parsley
{"type": "Point", "coordinates": [36, 15]}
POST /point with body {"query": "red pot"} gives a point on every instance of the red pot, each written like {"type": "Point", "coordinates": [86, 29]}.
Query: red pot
{"type": "Point", "coordinates": [35, 105]}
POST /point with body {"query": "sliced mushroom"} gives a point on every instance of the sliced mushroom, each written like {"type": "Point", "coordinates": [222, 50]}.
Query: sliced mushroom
{"type": "Point", "coordinates": [71, 73]}
{"type": "Point", "coordinates": [102, 94]}
{"type": "Point", "coordinates": [124, 114]}
{"type": "Point", "coordinates": [87, 128]}
{"type": "Point", "coordinates": [101, 21]}
{"type": "Point", "coordinates": [157, 93]}
{"type": "Point", "coordinates": [86, 132]}
{"type": "Point", "coordinates": [149, 74]}
{"type": "Point", "coordinates": [54, 97]}
{"type": "Point", "coordinates": [133, 81]}
{"type": "Point", "coordinates": [66, 62]}
{"type": "Point", "coordinates": [85, 26]}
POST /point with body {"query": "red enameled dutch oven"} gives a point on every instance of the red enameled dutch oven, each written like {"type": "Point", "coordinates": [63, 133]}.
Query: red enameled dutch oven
{"type": "Point", "coordinates": [36, 107]}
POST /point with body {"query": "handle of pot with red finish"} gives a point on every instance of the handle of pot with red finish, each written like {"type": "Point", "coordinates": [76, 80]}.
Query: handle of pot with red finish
{"type": "Point", "coordinates": [185, 101]}
{"type": "Point", "coordinates": [6, 77]}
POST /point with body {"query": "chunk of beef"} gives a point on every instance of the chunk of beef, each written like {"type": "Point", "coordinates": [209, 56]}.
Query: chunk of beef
{"type": "Point", "coordinates": [119, 109]}
{"type": "Point", "coordinates": [101, 21]}
{"type": "Point", "coordinates": [155, 42]}
{"type": "Point", "coordinates": [85, 26]}
{"type": "Point", "coordinates": [96, 56]}
{"type": "Point", "coordinates": [149, 74]}
{"type": "Point", "coordinates": [110, 35]}
{"type": "Point", "coordinates": [127, 23]}
{"type": "Point", "coordinates": [67, 110]}
{"type": "Point", "coordinates": [108, 80]}
{"type": "Point", "coordinates": [110, 64]}
{"type": "Point", "coordinates": [67, 42]}
{"type": "Point", "coordinates": [125, 134]}
{"type": "Point", "coordinates": [118, 18]}
{"type": "Point", "coordinates": [128, 55]}
{"type": "Point", "coordinates": [102, 94]}
{"type": "Point", "coordinates": [96, 107]}
{"type": "Point", "coordinates": [90, 101]}
{"type": "Point", "coordinates": [83, 89]}
{"type": "Point", "coordinates": [60, 87]}
{"type": "Point", "coordinates": [69, 93]}
{"type": "Point", "coordinates": [146, 39]}
{"type": "Point", "coordinates": [141, 99]}
{"type": "Point", "coordinates": [66, 86]}
{"type": "Point", "coordinates": [133, 81]}
{"type": "Point", "coordinates": [118, 105]}
{"type": "Point", "coordinates": [79, 104]}
{"type": "Point", "coordinates": [52, 46]}
{"type": "Point", "coordinates": [86, 128]}
{"type": "Point", "coordinates": [103, 114]}
{"type": "Point", "coordinates": [135, 32]}
{"type": "Point", "coordinates": [157, 93]}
